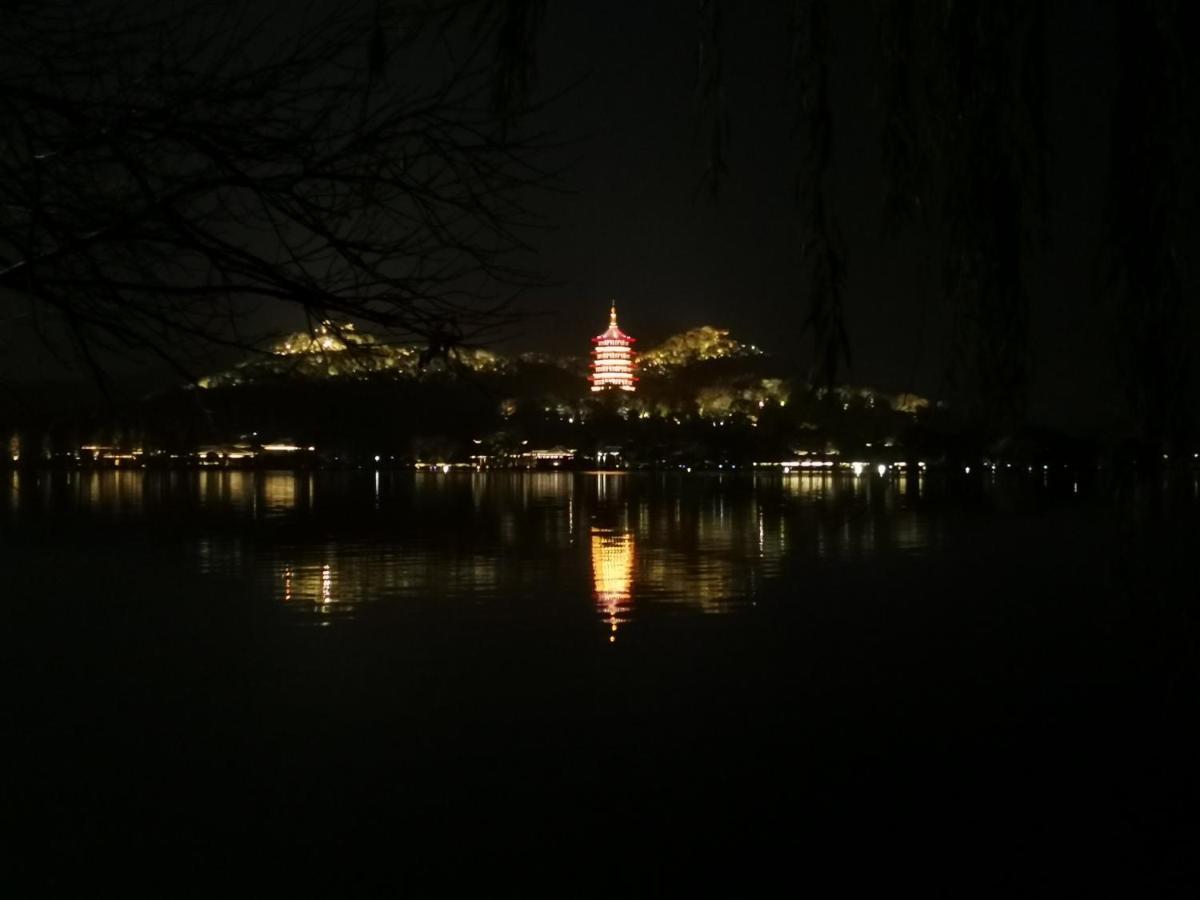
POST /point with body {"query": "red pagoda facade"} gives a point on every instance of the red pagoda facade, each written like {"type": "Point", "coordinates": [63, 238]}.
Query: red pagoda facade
{"type": "Point", "coordinates": [613, 358]}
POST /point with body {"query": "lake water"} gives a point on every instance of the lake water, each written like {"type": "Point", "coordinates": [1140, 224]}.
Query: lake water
{"type": "Point", "coordinates": [972, 683]}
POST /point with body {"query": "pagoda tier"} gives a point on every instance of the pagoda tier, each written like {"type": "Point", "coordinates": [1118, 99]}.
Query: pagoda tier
{"type": "Point", "coordinates": [613, 358]}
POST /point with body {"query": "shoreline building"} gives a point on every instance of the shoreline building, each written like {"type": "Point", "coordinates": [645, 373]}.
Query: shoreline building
{"type": "Point", "coordinates": [613, 358]}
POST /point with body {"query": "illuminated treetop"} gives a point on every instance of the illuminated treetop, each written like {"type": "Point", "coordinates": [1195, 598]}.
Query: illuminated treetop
{"type": "Point", "coordinates": [339, 350]}
{"type": "Point", "coordinates": [696, 345]}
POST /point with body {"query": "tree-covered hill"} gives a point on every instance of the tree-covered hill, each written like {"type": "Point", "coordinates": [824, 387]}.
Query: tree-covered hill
{"type": "Point", "coordinates": [702, 396]}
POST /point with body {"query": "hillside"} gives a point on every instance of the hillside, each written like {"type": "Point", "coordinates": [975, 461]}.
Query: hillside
{"type": "Point", "coordinates": [703, 395]}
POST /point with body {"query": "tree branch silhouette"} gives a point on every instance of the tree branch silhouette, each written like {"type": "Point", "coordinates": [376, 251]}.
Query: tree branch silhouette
{"type": "Point", "coordinates": [166, 172]}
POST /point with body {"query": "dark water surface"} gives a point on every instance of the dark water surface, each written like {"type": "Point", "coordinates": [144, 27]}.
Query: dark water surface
{"type": "Point", "coordinates": [638, 680]}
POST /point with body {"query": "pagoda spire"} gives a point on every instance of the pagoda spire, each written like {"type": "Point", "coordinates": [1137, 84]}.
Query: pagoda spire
{"type": "Point", "coordinates": [612, 315]}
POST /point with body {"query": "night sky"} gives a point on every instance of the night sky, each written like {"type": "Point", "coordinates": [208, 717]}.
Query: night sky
{"type": "Point", "coordinates": [633, 224]}
{"type": "Point", "coordinates": [636, 227]}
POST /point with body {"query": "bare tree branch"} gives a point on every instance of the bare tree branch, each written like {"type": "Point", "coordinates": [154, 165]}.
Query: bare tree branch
{"type": "Point", "coordinates": [167, 170]}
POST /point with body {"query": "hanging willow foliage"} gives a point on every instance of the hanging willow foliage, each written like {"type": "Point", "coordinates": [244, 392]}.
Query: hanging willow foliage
{"type": "Point", "coordinates": [965, 153]}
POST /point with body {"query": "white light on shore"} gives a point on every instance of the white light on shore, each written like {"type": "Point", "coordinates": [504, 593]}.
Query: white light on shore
{"type": "Point", "coordinates": [881, 469]}
{"type": "Point", "coordinates": [858, 468]}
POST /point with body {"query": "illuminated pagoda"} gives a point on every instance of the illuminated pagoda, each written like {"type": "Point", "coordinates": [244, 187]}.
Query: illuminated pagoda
{"type": "Point", "coordinates": [613, 358]}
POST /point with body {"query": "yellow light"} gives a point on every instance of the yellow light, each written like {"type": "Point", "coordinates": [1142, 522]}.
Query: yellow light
{"type": "Point", "coordinates": [612, 574]}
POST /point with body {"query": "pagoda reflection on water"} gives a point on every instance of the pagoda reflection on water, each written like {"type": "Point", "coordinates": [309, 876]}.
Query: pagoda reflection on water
{"type": "Point", "coordinates": [612, 575]}
{"type": "Point", "coordinates": [613, 358]}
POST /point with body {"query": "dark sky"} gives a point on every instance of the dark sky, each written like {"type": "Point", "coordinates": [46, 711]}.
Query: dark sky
{"type": "Point", "coordinates": [635, 228]}
{"type": "Point", "coordinates": [633, 225]}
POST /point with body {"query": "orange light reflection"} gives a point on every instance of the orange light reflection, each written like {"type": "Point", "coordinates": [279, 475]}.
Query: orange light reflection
{"type": "Point", "coordinates": [612, 575]}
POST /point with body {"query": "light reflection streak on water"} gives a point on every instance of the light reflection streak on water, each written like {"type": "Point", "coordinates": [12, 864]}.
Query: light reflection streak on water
{"type": "Point", "coordinates": [314, 588]}
{"type": "Point", "coordinates": [279, 490]}
{"type": "Point", "coordinates": [13, 495]}
{"type": "Point", "coordinates": [612, 575]}
{"type": "Point", "coordinates": [261, 494]}
{"type": "Point", "coordinates": [326, 545]}
{"type": "Point", "coordinates": [702, 555]}
{"type": "Point", "coordinates": [120, 493]}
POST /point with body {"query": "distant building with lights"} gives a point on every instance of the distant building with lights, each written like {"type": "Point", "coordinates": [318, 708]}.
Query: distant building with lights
{"type": "Point", "coordinates": [613, 358]}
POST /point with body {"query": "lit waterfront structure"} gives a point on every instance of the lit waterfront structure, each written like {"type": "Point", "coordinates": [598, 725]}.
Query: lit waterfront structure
{"type": "Point", "coordinates": [613, 358]}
